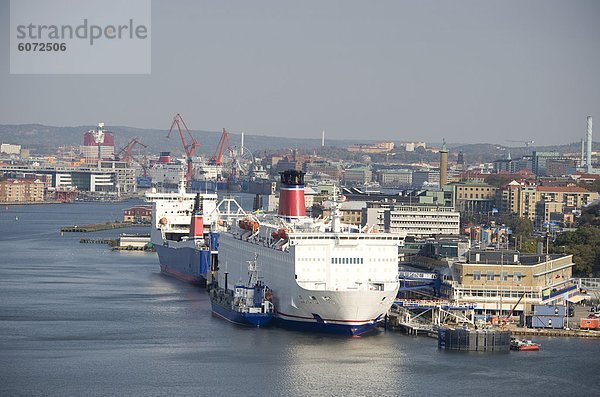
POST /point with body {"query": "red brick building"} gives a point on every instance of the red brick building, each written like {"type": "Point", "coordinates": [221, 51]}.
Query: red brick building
{"type": "Point", "coordinates": [138, 214]}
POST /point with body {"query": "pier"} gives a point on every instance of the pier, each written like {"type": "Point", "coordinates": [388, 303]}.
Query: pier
{"type": "Point", "coordinates": [98, 241]}
{"type": "Point", "coordinates": [96, 227]}
{"type": "Point", "coordinates": [579, 333]}
{"type": "Point", "coordinates": [125, 242]}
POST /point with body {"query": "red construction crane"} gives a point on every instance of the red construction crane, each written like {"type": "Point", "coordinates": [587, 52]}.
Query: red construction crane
{"type": "Point", "coordinates": [217, 158]}
{"type": "Point", "coordinates": [189, 148]}
{"type": "Point", "coordinates": [125, 153]}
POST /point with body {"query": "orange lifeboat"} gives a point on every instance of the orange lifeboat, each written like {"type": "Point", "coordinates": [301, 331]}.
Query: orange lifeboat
{"type": "Point", "coordinates": [248, 224]}
{"type": "Point", "coordinates": [280, 234]}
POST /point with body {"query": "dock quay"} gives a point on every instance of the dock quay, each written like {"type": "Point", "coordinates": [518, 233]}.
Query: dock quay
{"type": "Point", "coordinates": [579, 333]}
{"type": "Point", "coordinates": [132, 248]}
{"type": "Point", "coordinates": [424, 317]}
{"type": "Point", "coordinates": [125, 242]}
{"type": "Point", "coordinates": [99, 226]}
{"type": "Point", "coordinates": [98, 241]}
{"type": "Point", "coordinates": [134, 242]}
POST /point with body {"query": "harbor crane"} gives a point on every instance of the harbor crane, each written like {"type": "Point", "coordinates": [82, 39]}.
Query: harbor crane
{"type": "Point", "coordinates": [217, 157]}
{"type": "Point", "coordinates": [189, 148]}
{"type": "Point", "coordinates": [142, 163]}
{"type": "Point", "coordinates": [125, 153]}
{"type": "Point", "coordinates": [526, 143]}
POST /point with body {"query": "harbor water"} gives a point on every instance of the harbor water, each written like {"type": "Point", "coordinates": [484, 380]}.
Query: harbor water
{"type": "Point", "coordinates": [80, 319]}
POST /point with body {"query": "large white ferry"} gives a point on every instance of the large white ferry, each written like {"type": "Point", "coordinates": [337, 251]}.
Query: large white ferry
{"type": "Point", "coordinates": [325, 276]}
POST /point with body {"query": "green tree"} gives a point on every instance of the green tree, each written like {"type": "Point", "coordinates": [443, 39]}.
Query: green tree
{"type": "Point", "coordinates": [521, 227]}
{"type": "Point", "coordinates": [591, 186]}
{"type": "Point", "coordinates": [590, 216]}
{"type": "Point", "coordinates": [584, 245]}
{"type": "Point", "coordinates": [528, 247]}
{"type": "Point", "coordinates": [498, 180]}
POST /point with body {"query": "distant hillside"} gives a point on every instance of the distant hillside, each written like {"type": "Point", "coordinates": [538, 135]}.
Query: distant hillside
{"type": "Point", "coordinates": [42, 139]}
{"type": "Point", "coordinates": [486, 152]}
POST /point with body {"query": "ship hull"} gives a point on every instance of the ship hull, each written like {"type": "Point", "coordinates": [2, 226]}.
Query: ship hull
{"type": "Point", "coordinates": [353, 330]}
{"type": "Point", "coordinates": [183, 263]}
{"type": "Point", "coordinates": [248, 319]}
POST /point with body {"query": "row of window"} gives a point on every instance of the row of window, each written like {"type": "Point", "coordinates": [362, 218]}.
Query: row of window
{"type": "Point", "coordinates": [487, 189]}
{"type": "Point", "coordinates": [427, 222]}
{"type": "Point", "coordinates": [492, 294]}
{"type": "Point", "coordinates": [358, 261]}
{"type": "Point", "coordinates": [432, 218]}
{"type": "Point", "coordinates": [490, 276]}
{"type": "Point", "coordinates": [347, 261]}
{"type": "Point", "coordinates": [460, 196]}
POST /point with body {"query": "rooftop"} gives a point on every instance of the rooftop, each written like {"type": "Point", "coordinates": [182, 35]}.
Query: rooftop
{"type": "Point", "coordinates": [565, 189]}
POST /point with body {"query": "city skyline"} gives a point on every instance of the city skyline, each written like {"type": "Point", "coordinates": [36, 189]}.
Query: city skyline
{"type": "Point", "coordinates": [470, 72]}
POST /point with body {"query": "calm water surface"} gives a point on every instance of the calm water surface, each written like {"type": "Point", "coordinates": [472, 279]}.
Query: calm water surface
{"type": "Point", "coordinates": [79, 319]}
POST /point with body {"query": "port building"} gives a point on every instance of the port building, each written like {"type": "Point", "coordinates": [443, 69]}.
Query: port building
{"type": "Point", "coordinates": [498, 280]}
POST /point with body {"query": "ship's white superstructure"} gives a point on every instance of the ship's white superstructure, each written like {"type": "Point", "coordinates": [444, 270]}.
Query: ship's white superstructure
{"type": "Point", "coordinates": [325, 276]}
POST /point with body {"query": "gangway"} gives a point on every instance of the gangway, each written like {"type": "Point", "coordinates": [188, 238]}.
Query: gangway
{"type": "Point", "coordinates": [417, 316]}
{"type": "Point", "coordinates": [428, 304]}
{"type": "Point", "coordinates": [415, 280]}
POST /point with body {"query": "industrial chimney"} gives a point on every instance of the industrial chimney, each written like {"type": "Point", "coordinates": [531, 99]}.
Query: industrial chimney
{"type": "Point", "coordinates": [589, 145]}
{"type": "Point", "coordinates": [443, 165]}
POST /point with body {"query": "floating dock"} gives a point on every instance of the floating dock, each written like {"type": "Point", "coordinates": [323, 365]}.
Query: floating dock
{"type": "Point", "coordinates": [477, 340]}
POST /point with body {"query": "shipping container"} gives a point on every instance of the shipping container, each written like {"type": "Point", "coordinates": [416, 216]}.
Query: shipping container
{"type": "Point", "coordinates": [549, 310]}
{"type": "Point", "coordinates": [589, 323]}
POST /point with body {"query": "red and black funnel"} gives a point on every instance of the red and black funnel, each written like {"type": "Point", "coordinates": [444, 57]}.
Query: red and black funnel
{"type": "Point", "coordinates": [291, 194]}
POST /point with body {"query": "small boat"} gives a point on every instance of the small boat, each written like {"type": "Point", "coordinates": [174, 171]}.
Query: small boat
{"type": "Point", "coordinates": [523, 345]}
{"type": "Point", "coordinates": [247, 304]}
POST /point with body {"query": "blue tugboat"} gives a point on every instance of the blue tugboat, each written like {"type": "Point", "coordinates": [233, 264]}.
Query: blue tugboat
{"type": "Point", "coordinates": [250, 304]}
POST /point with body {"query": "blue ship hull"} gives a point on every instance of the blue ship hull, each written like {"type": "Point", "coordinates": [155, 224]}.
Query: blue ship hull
{"type": "Point", "coordinates": [249, 319]}
{"type": "Point", "coordinates": [328, 328]}
{"type": "Point", "coordinates": [186, 264]}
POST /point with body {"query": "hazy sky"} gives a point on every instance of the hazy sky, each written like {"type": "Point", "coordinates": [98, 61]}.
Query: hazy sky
{"type": "Point", "coordinates": [469, 71]}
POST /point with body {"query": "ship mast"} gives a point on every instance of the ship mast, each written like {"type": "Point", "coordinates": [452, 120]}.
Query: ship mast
{"type": "Point", "coordinates": [181, 182]}
{"type": "Point", "coordinates": [252, 271]}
